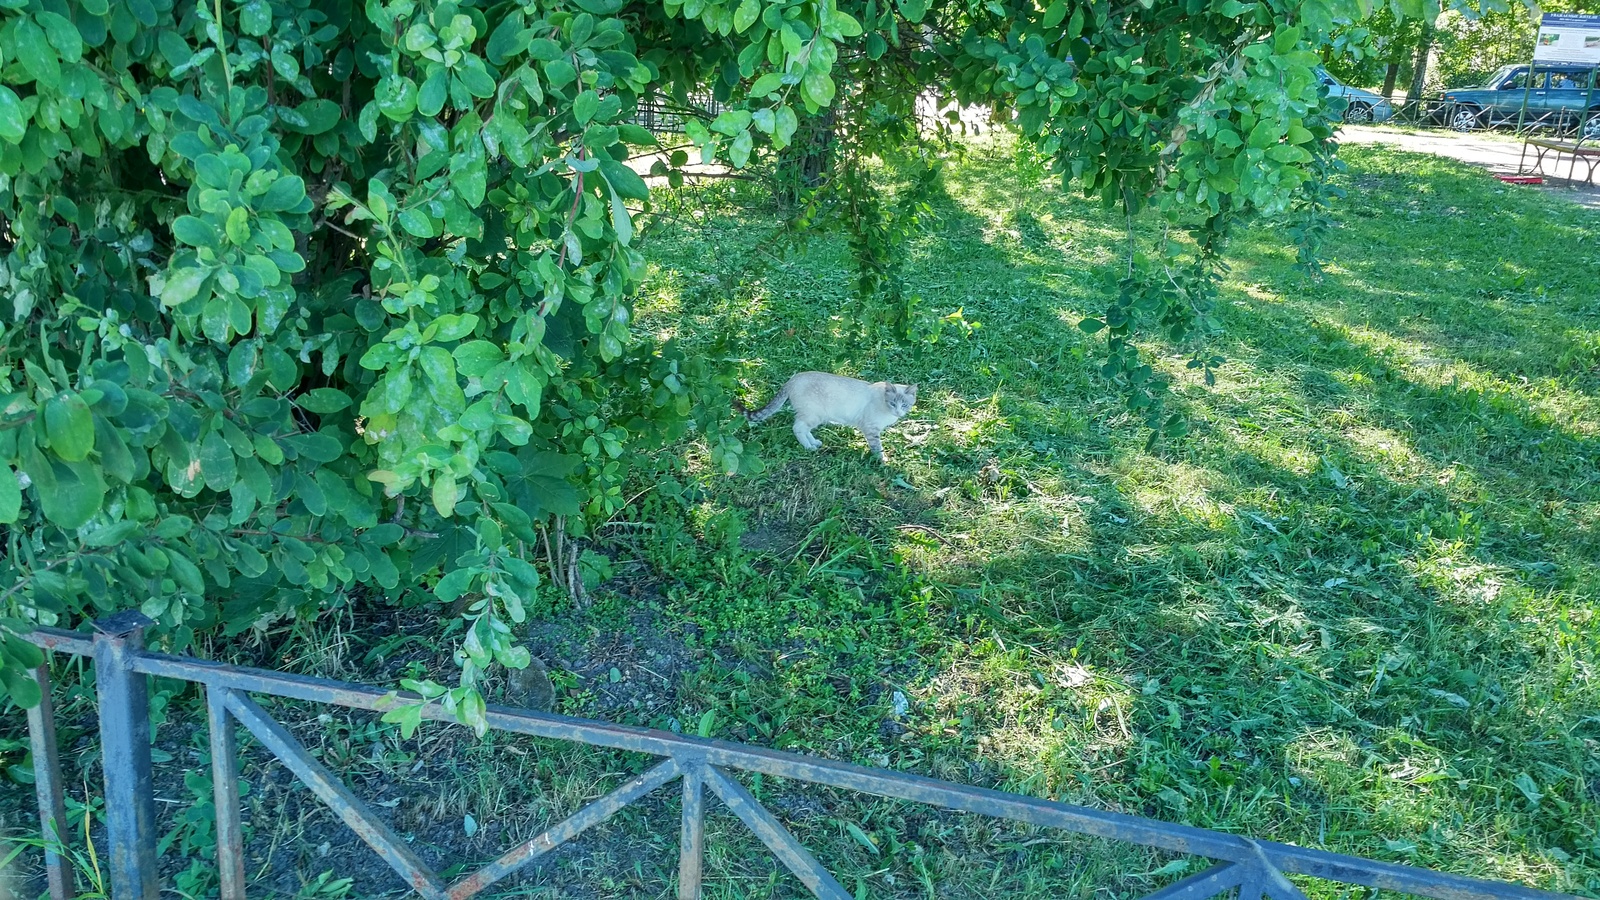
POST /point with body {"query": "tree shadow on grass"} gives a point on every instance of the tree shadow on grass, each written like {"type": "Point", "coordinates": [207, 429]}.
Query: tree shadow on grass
{"type": "Point", "coordinates": [1505, 284]}
{"type": "Point", "coordinates": [1283, 626]}
{"type": "Point", "coordinates": [1322, 618]}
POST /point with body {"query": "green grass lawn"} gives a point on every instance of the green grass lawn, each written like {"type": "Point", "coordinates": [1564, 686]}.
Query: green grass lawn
{"type": "Point", "coordinates": [1355, 608]}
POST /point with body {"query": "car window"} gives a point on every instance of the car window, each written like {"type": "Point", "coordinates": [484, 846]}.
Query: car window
{"type": "Point", "coordinates": [1519, 80]}
{"type": "Point", "coordinates": [1495, 79]}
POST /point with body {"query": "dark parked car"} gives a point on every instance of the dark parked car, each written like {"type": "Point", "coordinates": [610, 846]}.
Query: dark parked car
{"type": "Point", "coordinates": [1556, 96]}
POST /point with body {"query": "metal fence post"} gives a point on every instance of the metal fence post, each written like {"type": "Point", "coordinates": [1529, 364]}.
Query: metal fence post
{"type": "Point", "coordinates": [125, 756]}
{"type": "Point", "coordinates": [225, 781]}
{"type": "Point", "coordinates": [1249, 869]}
{"type": "Point", "coordinates": [692, 843]}
{"type": "Point", "coordinates": [47, 784]}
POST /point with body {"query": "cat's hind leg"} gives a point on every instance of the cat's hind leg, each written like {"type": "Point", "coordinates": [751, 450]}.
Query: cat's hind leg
{"type": "Point", "coordinates": [802, 433]}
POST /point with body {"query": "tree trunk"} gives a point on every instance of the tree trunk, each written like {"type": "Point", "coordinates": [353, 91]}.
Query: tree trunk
{"type": "Point", "coordinates": [804, 164]}
{"type": "Point", "coordinates": [1419, 72]}
{"type": "Point", "coordinates": [1389, 76]}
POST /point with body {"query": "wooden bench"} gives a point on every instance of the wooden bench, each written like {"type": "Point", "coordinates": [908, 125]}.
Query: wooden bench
{"type": "Point", "coordinates": [1580, 150]}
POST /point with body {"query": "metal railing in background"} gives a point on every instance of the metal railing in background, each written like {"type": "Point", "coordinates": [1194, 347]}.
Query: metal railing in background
{"type": "Point", "coordinates": [1433, 111]}
{"type": "Point", "coordinates": [1426, 111]}
{"type": "Point", "coordinates": [1250, 869]}
{"type": "Point", "coordinates": [662, 115]}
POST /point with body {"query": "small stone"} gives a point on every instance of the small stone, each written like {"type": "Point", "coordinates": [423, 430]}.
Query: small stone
{"type": "Point", "coordinates": [531, 687]}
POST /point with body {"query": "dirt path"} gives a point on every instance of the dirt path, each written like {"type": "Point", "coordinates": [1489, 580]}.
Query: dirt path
{"type": "Point", "coordinates": [694, 170]}
{"type": "Point", "coordinates": [1500, 154]}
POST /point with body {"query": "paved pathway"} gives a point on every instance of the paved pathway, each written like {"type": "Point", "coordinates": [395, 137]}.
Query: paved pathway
{"type": "Point", "coordinates": [691, 172]}
{"type": "Point", "coordinates": [1497, 153]}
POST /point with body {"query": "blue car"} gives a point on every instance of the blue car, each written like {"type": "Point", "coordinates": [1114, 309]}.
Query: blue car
{"type": "Point", "coordinates": [1362, 107]}
{"type": "Point", "coordinates": [1546, 95]}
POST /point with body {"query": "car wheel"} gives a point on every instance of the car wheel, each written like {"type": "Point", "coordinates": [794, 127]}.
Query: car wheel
{"type": "Point", "coordinates": [1465, 118]}
{"type": "Point", "coordinates": [1591, 126]}
{"type": "Point", "coordinates": [1358, 113]}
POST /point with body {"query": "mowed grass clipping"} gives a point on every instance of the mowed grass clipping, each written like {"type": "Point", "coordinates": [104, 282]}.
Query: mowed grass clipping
{"type": "Point", "coordinates": [1355, 608]}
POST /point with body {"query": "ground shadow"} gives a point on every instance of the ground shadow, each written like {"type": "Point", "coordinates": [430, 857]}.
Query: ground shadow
{"type": "Point", "coordinates": [1354, 609]}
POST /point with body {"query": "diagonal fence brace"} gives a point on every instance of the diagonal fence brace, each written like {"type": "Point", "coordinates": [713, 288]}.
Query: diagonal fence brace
{"type": "Point", "coordinates": [1273, 881]}
{"type": "Point", "coordinates": [1262, 865]}
{"type": "Point", "coordinates": [355, 814]}
{"type": "Point", "coordinates": [565, 830]}
{"type": "Point", "coordinates": [777, 838]}
{"type": "Point", "coordinates": [1211, 882]}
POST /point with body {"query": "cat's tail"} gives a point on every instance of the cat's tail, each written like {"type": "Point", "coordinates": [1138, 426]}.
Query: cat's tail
{"type": "Point", "coordinates": [771, 409]}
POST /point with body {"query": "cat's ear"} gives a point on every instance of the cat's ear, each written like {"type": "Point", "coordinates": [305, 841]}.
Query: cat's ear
{"type": "Point", "coordinates": [912, 390]}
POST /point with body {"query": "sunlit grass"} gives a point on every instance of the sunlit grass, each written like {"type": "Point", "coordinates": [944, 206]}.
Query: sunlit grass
{"type": "Point", "coordinates": [1356, 608]}
{"type": "Point", "coordinates": [1328, 616]}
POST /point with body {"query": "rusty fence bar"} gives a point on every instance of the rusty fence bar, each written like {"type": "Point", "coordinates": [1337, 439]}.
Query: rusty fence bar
{"type": "Point", "coordinates": [783, 845]}
{"type": "Point", "coordinates": [565, 830]}
{"type": "Point", "coordinates": [1249, 869]}
{"type": "Point", "coordinates": [225, 783]}
{"type": "Point", "coordinates": [356, 814]}
{"type": "Point", "coordinates": [692, 841]}
{"type": "Point", "coordinates": [1213, 881]}
{"type": "Point", "coordinates": [47, 786]}
{"type": "Point", "coordinates": [125, 755]}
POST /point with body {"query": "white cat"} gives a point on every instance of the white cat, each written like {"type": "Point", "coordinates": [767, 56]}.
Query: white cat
{"type": "Point", "coordinates": [822, 399]}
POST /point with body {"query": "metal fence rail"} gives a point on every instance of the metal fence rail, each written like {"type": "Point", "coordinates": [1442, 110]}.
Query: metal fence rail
{"type": "Point", "coordinates": [661, 114]}
{"type": "Point", "coordinates": [1424, 111]}
{"type": "Point", "coordinates": [1433, 111]}
{"type": "Point", "coordinates": [1249, 869]}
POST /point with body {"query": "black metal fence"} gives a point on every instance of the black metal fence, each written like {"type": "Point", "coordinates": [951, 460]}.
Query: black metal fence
{"type": "Point", "coordinates": [662, 115]}
{"type": "Point", "coordinates": [1433, 111]}
{"type": "Point", "coordinates": [1419, 112]}
{"type": "Point", "coordinates": [1248, 869]}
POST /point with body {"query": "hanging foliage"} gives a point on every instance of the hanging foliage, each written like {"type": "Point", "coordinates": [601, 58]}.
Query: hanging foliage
{"type": "Point", "coordinates": [300, 296]}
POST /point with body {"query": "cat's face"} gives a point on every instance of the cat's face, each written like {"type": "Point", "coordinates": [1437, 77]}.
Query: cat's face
{"type": "Point", "coordinates": [901, 397]}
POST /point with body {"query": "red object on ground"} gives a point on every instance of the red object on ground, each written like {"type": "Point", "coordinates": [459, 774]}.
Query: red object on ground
{"type": "Point", "coordinates": [1521, 179]}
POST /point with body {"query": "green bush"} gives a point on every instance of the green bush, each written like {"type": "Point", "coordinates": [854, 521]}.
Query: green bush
{"type": "Point", "coordinates": [307, 296]}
